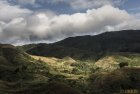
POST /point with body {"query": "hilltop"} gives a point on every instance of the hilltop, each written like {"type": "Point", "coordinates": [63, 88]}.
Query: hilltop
{"type": "Point", "coordinates": [89, 47]}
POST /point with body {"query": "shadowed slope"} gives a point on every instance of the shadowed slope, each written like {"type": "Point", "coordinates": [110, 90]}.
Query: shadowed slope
{"type": "Point", "coordinates": [87, 47]}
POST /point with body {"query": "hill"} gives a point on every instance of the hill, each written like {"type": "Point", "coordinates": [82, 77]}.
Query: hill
{"type": "Point", "coordinates": [107, 63]}
{"type": "Point", "coordinates": [112, 74]}
{"type": "Point", "coordinates": [89, 47]}
{"type": "Point", "coordinates": [21, 74]}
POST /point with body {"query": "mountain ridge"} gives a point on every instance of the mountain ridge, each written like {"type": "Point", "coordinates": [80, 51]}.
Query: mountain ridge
{"type": "Point", "coordinates": [90, 46]}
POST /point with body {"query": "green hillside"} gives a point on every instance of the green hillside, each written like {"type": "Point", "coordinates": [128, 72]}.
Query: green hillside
{"type": "Point", "coordinates": [116, 69]}
{"type": "Point", "coordinates": [108, 63]}
{"type": "Point", "coordinates": [21, 74]}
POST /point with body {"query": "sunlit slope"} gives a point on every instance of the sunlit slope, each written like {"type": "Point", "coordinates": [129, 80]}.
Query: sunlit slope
{"type": "Point", "coordinates": [118, 60]}
{"type": "Point", "coordinates": [120, 68]}
{"type": "Point", "coordinates": [21, 74]}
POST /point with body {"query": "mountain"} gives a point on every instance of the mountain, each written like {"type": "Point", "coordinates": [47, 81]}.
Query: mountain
{"type": "Point", "coordinates": [89, 47]}
{"type": "Point", "coordinates": [108, 63]}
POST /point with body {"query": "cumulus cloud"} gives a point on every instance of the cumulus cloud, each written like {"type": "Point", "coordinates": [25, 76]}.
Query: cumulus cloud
{"type": "Point", "coordinates": [8, 12]}
{"type": "Point", "coordinates": [94, 21]}
{"type": "Point", "coordinates": [40, 26]}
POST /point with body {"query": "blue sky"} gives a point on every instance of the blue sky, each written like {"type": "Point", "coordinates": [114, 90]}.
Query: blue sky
{"type": "Point", "coordinates": [64, 6]}
{"type": "Point", "coordinates": [132, 6]}
{"type": "Point", "coordinates": [28, 21]}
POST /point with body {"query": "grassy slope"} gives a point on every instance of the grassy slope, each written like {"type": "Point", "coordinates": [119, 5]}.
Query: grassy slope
{"type": "Point", "coordinates": [24, 74]}
{"type": "Point", "coordinates": [76, 73]}
{"type": "Point", "coordinates": [110, 78]}
{"type": "Point", "coordinates": [67, 70]}
{"type": "Point", "coordinates": [21, 74]}
{"type": "Point", "coordinates": [113, 61]}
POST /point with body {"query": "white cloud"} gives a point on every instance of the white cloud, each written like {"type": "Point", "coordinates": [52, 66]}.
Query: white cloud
{"type": "Point", "coordinates": [48, 26]}
{"type": "Point", "coordinates": [8, 12]}
{"type": "Point", "coordinates": [92, 22]}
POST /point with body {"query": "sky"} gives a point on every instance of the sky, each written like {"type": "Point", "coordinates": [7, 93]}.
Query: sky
{"type": "Point", "coordinates": [31, 21]}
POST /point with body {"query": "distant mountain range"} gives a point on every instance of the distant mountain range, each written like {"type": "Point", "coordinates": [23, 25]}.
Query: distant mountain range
{"type": "Point", "coordinates": [89, 47]}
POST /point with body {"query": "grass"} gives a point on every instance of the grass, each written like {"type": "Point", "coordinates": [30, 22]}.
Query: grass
{"type": "Point", "coordinates": [21, 73]}
{"type": "Point", "coordinates": [77, 73]}
{"type": "Point", "coordinates": [72, 72]}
